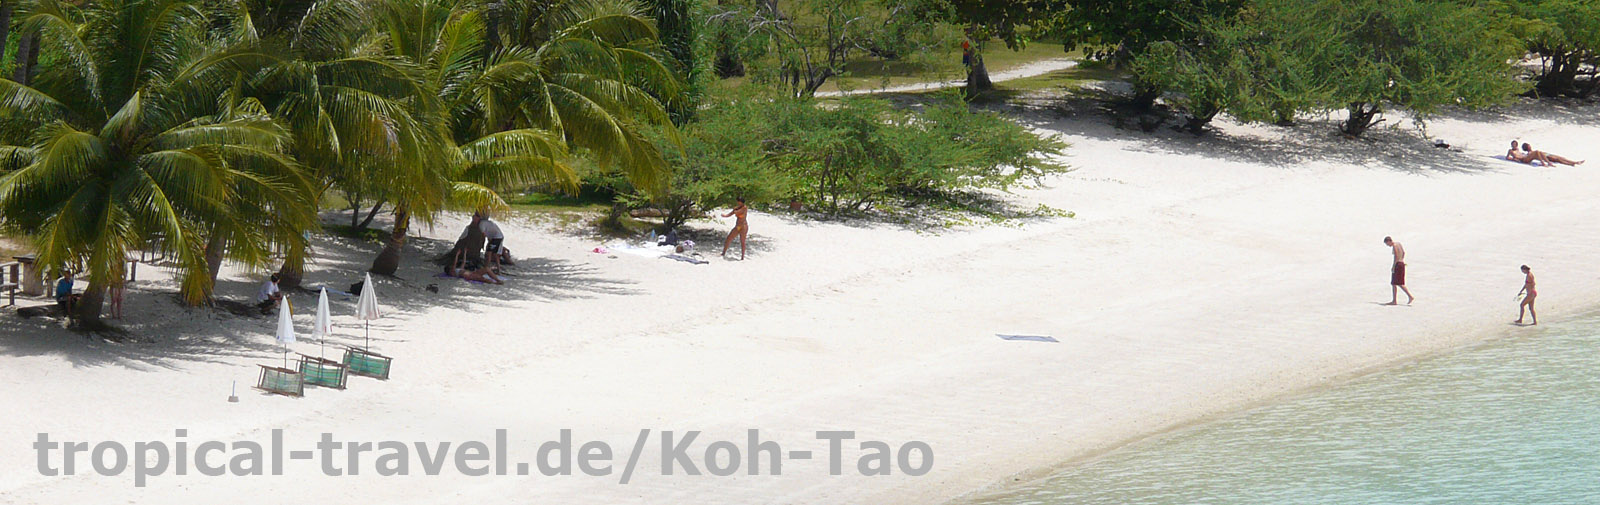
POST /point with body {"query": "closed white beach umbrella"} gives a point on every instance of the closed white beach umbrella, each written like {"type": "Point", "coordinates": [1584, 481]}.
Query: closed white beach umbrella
{"type": "Point", "coordinates": [285, 329]}
{"type": "Point", "coordinates": [323, 326]}
{"type": "Point", "coordinates": [367, 308]}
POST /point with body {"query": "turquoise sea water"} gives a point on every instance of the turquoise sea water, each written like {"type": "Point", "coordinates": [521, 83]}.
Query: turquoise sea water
{"type": "Point", "coordinates": [1512, 422]}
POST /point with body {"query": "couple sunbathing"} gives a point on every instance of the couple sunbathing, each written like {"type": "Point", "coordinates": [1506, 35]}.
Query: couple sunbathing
{"type": "Point", "coordinates": [1528, 155]}
{"type": "Point", "coordinates": [471, 270]}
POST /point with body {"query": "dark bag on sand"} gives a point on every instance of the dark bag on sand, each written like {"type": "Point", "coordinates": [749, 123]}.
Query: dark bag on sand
{"type": "Point", "coordinates": [355, 289]}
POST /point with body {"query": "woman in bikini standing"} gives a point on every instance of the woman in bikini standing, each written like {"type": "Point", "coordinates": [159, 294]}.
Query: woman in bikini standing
{"type": "Point", "coordinates": [1527, 301]}
{"type": "Point", "coordinates": [740, 228]}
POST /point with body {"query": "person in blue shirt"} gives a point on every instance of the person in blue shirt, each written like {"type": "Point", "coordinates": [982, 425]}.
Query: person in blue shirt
{"type": "Point", "coordinates": [64, 296]}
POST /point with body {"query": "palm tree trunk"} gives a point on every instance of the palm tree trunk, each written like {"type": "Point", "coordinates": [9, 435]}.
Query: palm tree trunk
{"type": "Point", "coordinates": [388, 261]}
{"type": "Point", "coordinates": [368, 221]}
{"type": "Point", "coordinates": [89, 305]}
{"type": "Point", "coordinates": [214, 250]}
{"type": "Point", "coordinates": [200, 293]}
{"type": "Point", "coordinates": [491, 22]}
{"type": "Point", "coordinates": [5, 27]}
{"type": "Point", "coordinates": [23, 60]}
{"type": "Point", "coordinates": [292, 273]}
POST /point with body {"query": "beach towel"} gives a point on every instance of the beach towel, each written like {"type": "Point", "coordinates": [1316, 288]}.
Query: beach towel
{"type": "Point", "coordinates": [1535, 163]}
{"type": "Point", "coordinates": [1031, 338]}
{"type": "Point", "coordinates": [648, 252]}
{"type": "Point", "coordinates": [686, 259]}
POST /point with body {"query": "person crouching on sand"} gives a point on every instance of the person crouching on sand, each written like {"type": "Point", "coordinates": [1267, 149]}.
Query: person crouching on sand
{"type": "Point", "coordinates": [741, 228]}
{"type": "Point", "coordinates": [1397, 276]}
{"type": "Point", "coordinates": [1527, 301]}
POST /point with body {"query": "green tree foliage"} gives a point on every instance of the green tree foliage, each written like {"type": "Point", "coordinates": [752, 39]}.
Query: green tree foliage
{"type": "Point", "coordinates": [1009, 22]}
{"type": "Point", "coordinates": [1565, 35]}
{"type": "Point", "coordinates": [1419, 55]}
{"type": "Point", "coordinates": [853, 156]}
{"type": "Point", "coordinates": [680, 37]}
{"type": "Point", "coordinates": [1120, 30]}
{"type": "Point", "coordinates": [1283, 57]}
{"type": "Point", "coordinates": [139, 132]}
{"type": "Point", "coordinates": [802, 44]}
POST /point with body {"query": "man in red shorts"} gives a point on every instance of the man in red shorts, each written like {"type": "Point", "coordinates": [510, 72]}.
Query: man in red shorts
{"type": "Point", "coordinates": [1397, 276]}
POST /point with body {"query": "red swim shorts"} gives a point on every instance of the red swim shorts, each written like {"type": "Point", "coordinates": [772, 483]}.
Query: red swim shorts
{"type": "Point", "coordinates": [1398, 276]}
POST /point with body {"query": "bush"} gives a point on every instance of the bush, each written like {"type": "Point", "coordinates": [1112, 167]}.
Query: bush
{"type": "Point", "coordinates": [1282, 57]}
{"type": "Point", "coordinates": [850, 156]}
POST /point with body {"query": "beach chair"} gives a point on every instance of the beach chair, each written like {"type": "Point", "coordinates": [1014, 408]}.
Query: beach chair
{"type": "Point", "coordinates": [323, 372]}
{"type": "Point", "coordinates": [366, 363]}
{"type": "Point", "coordinates": [281, 381]}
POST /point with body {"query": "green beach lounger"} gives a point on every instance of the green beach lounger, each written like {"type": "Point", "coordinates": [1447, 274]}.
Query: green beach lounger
{"type": "Point", "coordinates": [322, 372]}
{"type": "Point", "coordinates": [281, 381]}
{"type": "Point", "coordinates": [367, 363]}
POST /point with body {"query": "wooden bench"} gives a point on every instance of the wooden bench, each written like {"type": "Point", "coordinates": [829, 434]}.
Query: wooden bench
{"type": "Point", "coordinates": [323, 372]}
{"type": "Point", "coordinates": [10, 281]}
{"type": "Point", "coordinates": [366, 363]}
{"type": "Point", "coordinates": [281, 381]}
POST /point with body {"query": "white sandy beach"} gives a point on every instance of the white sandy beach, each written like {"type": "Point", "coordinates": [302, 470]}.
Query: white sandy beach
{"type": "Point", "coordinates": [1200, 276]}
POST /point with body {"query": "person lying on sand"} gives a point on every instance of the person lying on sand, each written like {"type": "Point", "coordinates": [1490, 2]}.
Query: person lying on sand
{"type": "Point", "coordinates": [1546, 158]}
{"type": "Point", "coordinates": [482, 274]}
{"type": "Point", "coordinates": [471, 271]}
{"type": "Point", "coordinates": [1517, 155]}
{"type": "Point", "coordinates": [1527, 301]}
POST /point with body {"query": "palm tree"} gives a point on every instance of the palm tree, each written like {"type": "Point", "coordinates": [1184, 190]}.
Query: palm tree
{"type": "Point", "coordinates": [498, 144]}
{"type": "Point", "coordinates": [361, 117]}
{"type": "Point", "coordinates": [592, 72]}
{"type": "Point", "coordinates": [137, 129]}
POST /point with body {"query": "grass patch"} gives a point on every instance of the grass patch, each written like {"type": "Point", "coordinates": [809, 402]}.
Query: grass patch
{"type": "Point", "coordinates": [1059, 82]}
{"type": "Point", "coordinates": [363, 234]}
{"type": "Point", "coordinates": [866, 73]}
{"type": "Point", "coordinates": [545, 201]}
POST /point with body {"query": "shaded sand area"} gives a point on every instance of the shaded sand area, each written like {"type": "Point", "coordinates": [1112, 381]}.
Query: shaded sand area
{"type": "Point", "coordinates": [1200, 275]}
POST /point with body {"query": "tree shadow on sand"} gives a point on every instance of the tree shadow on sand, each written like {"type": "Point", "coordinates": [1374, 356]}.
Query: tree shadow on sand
{"type": "Point", "coordinates": [1092, 112]}
{"type": "Point", "coordinates": [235, 329]}
{"type": "Point", "coordinates": [154, 345]}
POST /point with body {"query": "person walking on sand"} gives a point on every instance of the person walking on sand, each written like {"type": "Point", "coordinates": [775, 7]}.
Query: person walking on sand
{"type": "Point", "coordinates": [740, 228]}
{"type": "Point", "coordinates": [1527, 301]}
{"type": "Point", "coordinates": [1397, 276]}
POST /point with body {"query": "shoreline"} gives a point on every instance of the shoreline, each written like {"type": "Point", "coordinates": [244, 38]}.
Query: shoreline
{"type": "Point", "coordinates": [1201, 277]}
{"type": "Point", "coordinates": [1031, 477]}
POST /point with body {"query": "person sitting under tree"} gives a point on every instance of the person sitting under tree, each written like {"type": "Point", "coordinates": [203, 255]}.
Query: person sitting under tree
{"type": "Point", "coordinates": [269, 295]}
